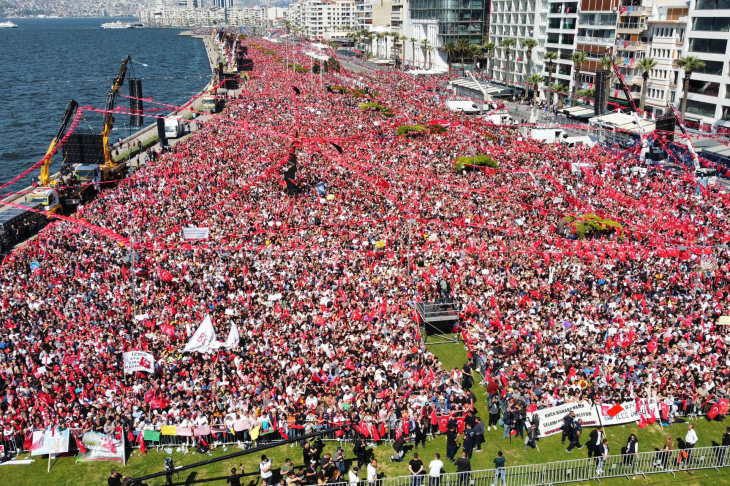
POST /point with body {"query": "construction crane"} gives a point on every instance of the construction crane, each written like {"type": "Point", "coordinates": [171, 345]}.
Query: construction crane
{"type": "Point", "coordinates": [111, 101]}
{"type": "Point", "coordinates": [624, 86]}
{"type": "Point", "coordinates": [67, 116]}
{"type": "Point", "coordinates": [683, 129]}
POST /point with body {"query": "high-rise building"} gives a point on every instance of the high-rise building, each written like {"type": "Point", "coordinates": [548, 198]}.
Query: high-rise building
{"type": "Point", "coordinates": [441, 21]}
{"type": "Point", "coordinates": [667, 27]}
{"type": "Point", "coordinates": [223, 3]}
{"type": "Point", "coordinates": [188, 4]}
{"type": "Point", "coordinates": [708, 35]}
{"type": "Point", "coordinates": [330, 19]}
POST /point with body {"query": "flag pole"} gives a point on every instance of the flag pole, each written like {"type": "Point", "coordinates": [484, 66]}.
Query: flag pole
{"type": "Point", "coordinates": [124, 450]}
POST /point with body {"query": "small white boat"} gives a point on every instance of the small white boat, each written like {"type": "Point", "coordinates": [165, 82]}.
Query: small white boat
{"type": "Point", "coordinates": [8, 25]}
{"type": "Point", "coordinates": [116, 25]}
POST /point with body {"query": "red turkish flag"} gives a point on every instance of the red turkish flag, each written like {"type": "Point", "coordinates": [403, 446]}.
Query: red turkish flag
{"type": "Point", "coordinates": [80, 444]}
{"type": "Point", "coordinates": [651, 347]}
{"type": "Point", "coordinates": [665, 410]}
{"type": "Point", "coordinates": [723, 403]}
{"type": "Point", "coordinates": [443, 423]}
{"type": "Point", "coordinates": [460, 424]}
{"type": "Point", "coordinates": [642, 422]}
{"type": "Point", "coordinates": [140, 440]}
{"type": "Point", "coordinates": [714, 412]}
{"type": "Point", "coordinates": [615, 410]}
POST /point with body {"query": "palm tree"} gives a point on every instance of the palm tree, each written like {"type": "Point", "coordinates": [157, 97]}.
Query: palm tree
{"type": "Point", "coordinates": [589, 93]}
{"type": "Point", "coordinates": [578, 58]}
{"type": "Point", "coordinates": [507, 44]}
{"type": "Point", "coordinates": [476, 53]}
{"type": "Point", "coordinates": [425, 44]}
{"type": "Point", "coordinates": [462, 46]}
{"type": "Point", "coordinates": [607, 64]}
{"type": "Point", "coordinates": [413, 50]}
{"type": "Point", "coordinates": [689, 64]}
{"type": "Point", "coordinates": [403, 40]}
{"type": "Point", "coordinates": [450, 49]}
{"type": "Point", "coordinates": [535, 80]}
{"type": "Point", "coordinates": [429, 50]}
{"type": "Point", "coordinates": [646, 65]}
{"type": "Point", "coordinates": [560, 90]}
{"type": "Point", "coordinates": [489, 47]}
{"type": "Point", "coordinates": [550, 56]}
{"type": "Point", "coordinates": [529, 45]}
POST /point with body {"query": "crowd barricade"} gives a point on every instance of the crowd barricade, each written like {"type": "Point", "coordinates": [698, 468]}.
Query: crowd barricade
{"type": "Point", "coordinates": [580, 470]}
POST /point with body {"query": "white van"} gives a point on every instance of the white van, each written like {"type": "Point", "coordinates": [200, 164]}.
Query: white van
{"type": "Point", "coordinates": [579, 141]}
{"type": "Point", "coordinates": [173, 127]}
{"type": "Point", "coordinates": [468, 107]}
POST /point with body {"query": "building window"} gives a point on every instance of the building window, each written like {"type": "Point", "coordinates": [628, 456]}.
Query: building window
{"type": "Point", "coordinates": [711, 67]}
{"type": "Point", "coordinates": [700, 108]}
{"type": "Point", "coordinates": [712, 4]}
{"type": "Point", "coordinates": [715, 24]}
{"type": "Point", "coordinates": [713, 46]}
{"type": "Point", "coordinates": [704, 87]}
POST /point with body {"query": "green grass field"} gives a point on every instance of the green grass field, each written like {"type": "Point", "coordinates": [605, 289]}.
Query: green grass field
{"type": "Point", "coordinates": [66, 472]}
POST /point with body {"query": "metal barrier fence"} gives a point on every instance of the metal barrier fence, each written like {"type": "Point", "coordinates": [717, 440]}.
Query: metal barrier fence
{"type": "Point", "coordinates": [578, 470]}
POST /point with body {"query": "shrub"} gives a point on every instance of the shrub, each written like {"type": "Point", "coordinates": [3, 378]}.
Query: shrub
{"type": "Point", "coordinates": [408, 130]}
{"type": "Point", "coordinates": [334, 64]}
{"type": "Point", "coordinates": [437, 129]}
{"type": "Point", "coordinates": [481, 160]}
{"type": "Point", "coordinates": [590, 225]}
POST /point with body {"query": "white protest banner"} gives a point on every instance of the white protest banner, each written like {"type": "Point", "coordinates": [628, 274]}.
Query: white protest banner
{"type": "Point", "coordinates": [196, 233]}
{"type": "Point", "coordinates": [100, 447]}
{"type": "Point", "coordinates": [626, 412]}
{"type": "Point", "coordinates": [231, 341]}
{"type": "Point", "coordinates": [551, 419]}
{"type": "Point", "coordinates": [138, 361]}
{"type": "Point", "coordinates": [203, 338]}
{"type": "Point", "coordinates": [49, 442]}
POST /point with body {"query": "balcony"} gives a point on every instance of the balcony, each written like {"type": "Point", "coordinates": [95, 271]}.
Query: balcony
{"type": "Point", "coordinates": [631, 46]}
{"type": "Point", "coordinates": [603, 41]}
{"type": "Point", "coordinates": [631, 27]}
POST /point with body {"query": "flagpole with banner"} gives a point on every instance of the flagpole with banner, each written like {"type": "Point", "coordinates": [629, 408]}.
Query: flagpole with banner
{"type": "Point", "coordinates": [124, 449]}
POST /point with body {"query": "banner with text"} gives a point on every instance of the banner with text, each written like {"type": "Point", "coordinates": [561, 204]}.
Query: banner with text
{"type": "Point", "coordinates": [627, 412]}
{"type": "Point", "coordinates": [196, 233]}
{"type": "Point", "coordinates": [551, 419]}
{"type": "Point", "coordinates": [49, 442]}
{"type": "Point", "coordinates": [100, 447]}
{"type": "Point", "coordinates": [138, 361]}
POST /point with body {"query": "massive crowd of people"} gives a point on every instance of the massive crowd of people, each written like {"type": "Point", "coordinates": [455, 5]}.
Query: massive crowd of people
{"type": "Point", "coordinates": [320, 282]}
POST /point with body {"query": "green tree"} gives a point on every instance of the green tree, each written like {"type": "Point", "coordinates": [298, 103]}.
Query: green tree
{"type": "Point", "coordinates": [646, 65]}
{"type": "Point", "coordinates": [507, 44]}
{"type": "Point", "coordinates": [561, 90]}
{"type": "Point", "coordinates": [689, 64]}
{"type": "Point", "coordinates": [489, 47]}
{"type": "Point", "coordinates": [462, 46]}
{"type": "Point", "coordinates": [425, 45]}
{"type": "Point", "coordinates": [450, 49]}
{"type": "Point", "coordinates": [550, 56]}
{"type": "Point", "coordinates": [476, 53]}
{"type": "Point", "coordinates": [529, 45]}
{"type": "Point", "coordinates": [578, 58]}
{"type": "Point", "coordinates": [535, 80]}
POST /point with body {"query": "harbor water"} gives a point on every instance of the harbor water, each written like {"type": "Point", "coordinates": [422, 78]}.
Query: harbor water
{"type": "Point", "coordinates": [47, 62]}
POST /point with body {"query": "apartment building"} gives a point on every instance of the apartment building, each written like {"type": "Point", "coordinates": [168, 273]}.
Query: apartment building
{"type": "Point", "coordinates": [329, 19]}
{"type": "Point", "coordinates": [708, 36]}
{"type": "Point", "coordinates": [440, 21]}
{"type": "Point", "coordinates": [666, 31]}
{"type": "Point", "coordinates": [519, 20]}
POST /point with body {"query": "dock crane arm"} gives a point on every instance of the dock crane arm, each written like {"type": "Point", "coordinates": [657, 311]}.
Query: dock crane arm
{"type": "Point", "coordinates": [111, 101]}
{"type": "Point", "coordinates": [624, 87]}
{"type": "Point", "coordinates": [690, 147]}
{"type": "Point", "coordinates": [67, 116]}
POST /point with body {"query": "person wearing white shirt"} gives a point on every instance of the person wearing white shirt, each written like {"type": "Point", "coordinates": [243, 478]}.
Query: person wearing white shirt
{"type": "Point", "coordinates": [373, 473]}
{"type": "Point", "coordinates": [354, 477]}
{"type": "Point", "coordinates": [690, 440]}
{"type": "Point", "coordinates": [265, 468]}
{"type": "Point", "coordinates": [434, 470]}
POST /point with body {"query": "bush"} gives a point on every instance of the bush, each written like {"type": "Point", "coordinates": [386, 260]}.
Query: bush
{"type": "Point", "coordinates": [481, 160]}
{"type": "Point", "coordinates": [315, 67]}
{"type": "Point", "coordinates": [408, 130]}
{"type": "Point", "coordinates": [300, 69]}
{"type": "Point", "coordinates": [437, 129]}
{"type": "Point", "coordinates": [334, 64]}
{"type": "Point", "coordinates": [590, 225]}
{"type": "Point", "coordinates": [386, 112]}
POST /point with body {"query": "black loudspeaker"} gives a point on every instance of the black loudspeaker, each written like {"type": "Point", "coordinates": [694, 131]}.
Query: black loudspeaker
{"type": "Point", "coordinates": [230, 80]}
{"type": "Point", "coordinates": [244, 64]}
{"type": "Point", "coordinates": [84, 148]}
{"type": "Point", "coordinates": [602, 79]}
{"type": "Point", "coordinates": [161, 131]}
{"type": "Point", "coordinates": [666, 125]}
{"type": "Point", "coordinates": [135, 102]}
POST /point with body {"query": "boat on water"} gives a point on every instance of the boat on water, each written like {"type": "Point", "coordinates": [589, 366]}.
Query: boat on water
{"type": "Point", "coordinates": [116, 25]}
{"type": "Point", "coordinates": [8, 25]}
{"type": "Point", "coordinates": [138, 25]}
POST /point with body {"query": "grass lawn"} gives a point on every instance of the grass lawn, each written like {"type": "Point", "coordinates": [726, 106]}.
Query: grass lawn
{"type": "Point", "coordinates": [66, 472]}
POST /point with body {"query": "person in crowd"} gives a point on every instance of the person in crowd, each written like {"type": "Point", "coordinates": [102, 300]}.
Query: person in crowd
{"type": "Point", "coordinates": [478, 435]}
{"type": "Point", "coordinates": [690, 440]}
{"type": "Point", "coordinates": [265, 470]}
{"type": "Point", "coordinates": [463, 469]}
{"type": "Point", "coordinates": [499, 468]}
{"type": "Point", "coordinates": [372, 473]}
{"type": "Point", "coordinates": [353, 477]}
{"type": "Point", "coordinates": [603, 452]}
{"type": "Point", "coordinates": [235, 478]}
{"type": "Point", "coordinates": [576, 429]}
{"type": "Point", "coordinates": [452, 437]}
{"type": "Point", "coordinates": [531, 438]}
{"type": "Point", "coordinates": [415, 467]}
{"type": "Point", "coordinates": [595, 438]}
{"type": "Point", "coordinates": [435, 467]}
